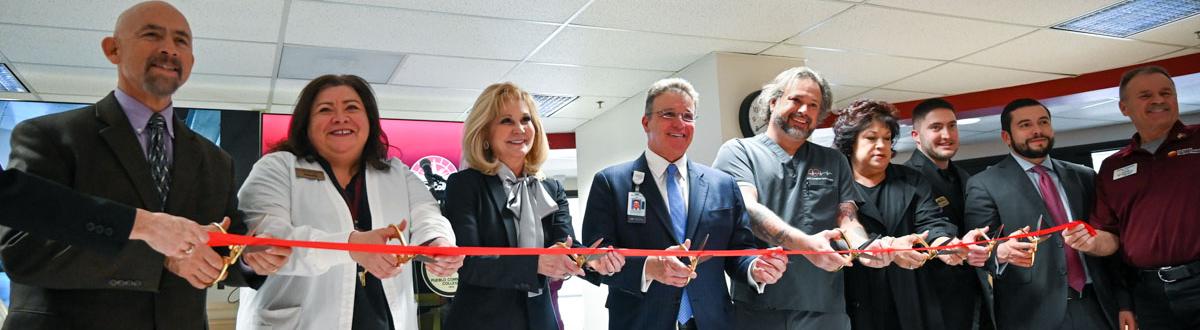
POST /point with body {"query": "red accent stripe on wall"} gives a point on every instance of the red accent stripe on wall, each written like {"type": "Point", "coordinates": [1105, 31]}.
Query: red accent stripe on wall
{"type": "Point", "coordinates": [1178, 66]}
{"type": "Point", "coordinates": [561, 140]}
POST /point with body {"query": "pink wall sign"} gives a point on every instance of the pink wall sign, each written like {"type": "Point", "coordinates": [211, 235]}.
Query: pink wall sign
{"type": "Point", "coordinates": [410, 139]}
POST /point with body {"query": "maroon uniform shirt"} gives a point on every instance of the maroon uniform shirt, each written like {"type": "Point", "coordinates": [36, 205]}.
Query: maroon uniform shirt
{"type": "Point", "coordinates": [1153, 200]}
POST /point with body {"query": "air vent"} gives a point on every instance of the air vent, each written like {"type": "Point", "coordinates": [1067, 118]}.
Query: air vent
{"type": "Point", "coordinates": [548, 105]}
{"type": "Point", "coordinates": [9, 82]}
{"type": "Point", "coordinates": [1132, 17]}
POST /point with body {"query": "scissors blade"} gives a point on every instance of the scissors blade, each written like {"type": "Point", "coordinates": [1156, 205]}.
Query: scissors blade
{"type": "Point", "coordinates": [253, 232]}
{"type": "Point", "coordinates": [945, 252]}
{"type": "Point", "coordinates": [594, 257]}
{"type": "Point", "coordinates": [864, 246]}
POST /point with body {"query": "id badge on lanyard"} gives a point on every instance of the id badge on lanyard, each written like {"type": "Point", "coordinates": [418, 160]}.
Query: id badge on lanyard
{"type": "Point", "coordinates": [635, 210]}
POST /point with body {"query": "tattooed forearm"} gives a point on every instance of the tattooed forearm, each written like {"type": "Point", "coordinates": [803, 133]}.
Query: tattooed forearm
{"type": "Point", "coordinates": [767, 226]}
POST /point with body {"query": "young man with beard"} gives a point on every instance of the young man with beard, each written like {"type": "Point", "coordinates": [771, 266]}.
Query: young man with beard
{"type": "Point", "coordinates": [1147, 202]}
{"type": "Point", "coordinates": [935, 131]}
{"type": "Point", "coordinates": [129, 148]}
{"type": "Point", "coordinates": [1064, 289]}
{"type": "Point", "coordinates": [796, 194]}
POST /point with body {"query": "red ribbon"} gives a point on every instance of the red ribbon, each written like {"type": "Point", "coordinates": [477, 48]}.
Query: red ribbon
{"type": "Point", "coordinates": [222, 239]}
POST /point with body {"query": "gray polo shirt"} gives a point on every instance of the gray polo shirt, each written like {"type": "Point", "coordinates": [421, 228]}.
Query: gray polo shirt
{"type": "Point", "coordinates": [804, 190]}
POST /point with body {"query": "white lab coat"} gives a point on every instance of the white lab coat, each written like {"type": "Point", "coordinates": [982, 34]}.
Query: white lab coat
{"type": "Point", "coordinates": [315, 288]}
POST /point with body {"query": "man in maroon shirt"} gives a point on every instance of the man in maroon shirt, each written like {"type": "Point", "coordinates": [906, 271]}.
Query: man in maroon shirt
{"type": "Point", "coordinates": [1148, 204]}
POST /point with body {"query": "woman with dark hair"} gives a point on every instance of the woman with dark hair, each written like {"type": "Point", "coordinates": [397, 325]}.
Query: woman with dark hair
{"type": "Point", "coordinates": [331, 180]}
{"type": "Point", "coordinates": [502, 199]}
{"type": "Point", "coordinates": [894, 203]}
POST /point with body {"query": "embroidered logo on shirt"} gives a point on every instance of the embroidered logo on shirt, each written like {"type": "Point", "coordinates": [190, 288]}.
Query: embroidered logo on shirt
{"type": "Point", "coordinates": [817, 175]}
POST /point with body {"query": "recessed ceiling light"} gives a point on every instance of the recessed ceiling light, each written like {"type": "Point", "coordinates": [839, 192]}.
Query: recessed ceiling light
{"type": "Point", "coordinates": [9, 81]}
{"type": "Point", "coordinates": [548, 105]}
{"type": "Point", "coordinates": [967, 121]}
{"type": "Point", "coordinates": [1131, 17]}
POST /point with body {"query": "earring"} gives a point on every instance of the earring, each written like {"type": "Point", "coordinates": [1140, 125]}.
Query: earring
{"type": "Point", "coordinates": [486, 145]}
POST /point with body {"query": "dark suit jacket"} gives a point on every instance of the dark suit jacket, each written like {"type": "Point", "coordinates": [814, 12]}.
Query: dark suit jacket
{"type": "Point", "coordinates": [960, 288]}
{"type": "Point", "coordinates": [715, 210]}
{"type": "Point", "coordinates": [493, 292]}
{"type": "Point", "coordinates": [1032, 298]}
{"type": "Point", "coordinates": [95, 151]}
{"type": "Point", "coordinates": [904, 207]}
{"type": "Point", "coordinates": [35, 205]}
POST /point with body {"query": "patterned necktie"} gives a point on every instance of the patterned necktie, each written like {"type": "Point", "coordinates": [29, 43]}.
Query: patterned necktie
{"type": "Point", "coordinates": [156, 129]}
{"type": "Point", "coordinates": [1075, 276]}
{"type": "Point", "coordinates": [679, 224]}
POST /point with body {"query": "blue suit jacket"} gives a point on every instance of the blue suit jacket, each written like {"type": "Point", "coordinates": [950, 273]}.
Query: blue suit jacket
{"type": "Point", "coordinates": [715, 208]}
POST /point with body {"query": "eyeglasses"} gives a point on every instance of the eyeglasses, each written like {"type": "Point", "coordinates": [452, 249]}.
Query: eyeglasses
{"type": "Point", "coordinates": [672, 115]}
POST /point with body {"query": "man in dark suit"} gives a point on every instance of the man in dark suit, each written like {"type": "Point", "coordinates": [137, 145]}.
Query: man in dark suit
{"type": "Point", "coordinates": [679, 203]}
{"type": "Point", "coordinates": [35, 205]}
{"type": "Point", "coordinates": [1063, 289]}
{"type": "Point", "coordinates": [131, 149]}
{"type": "Point", "coordinates": [935, 131]}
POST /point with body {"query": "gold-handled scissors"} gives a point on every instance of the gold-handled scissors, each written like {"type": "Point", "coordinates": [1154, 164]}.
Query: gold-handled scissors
{"type": "Point", "coordinates": [583, 259]}
{"type": "Point", "coordinates": [1035, 240]}
{"type": "Point", "coordinates": [695, 261]}
{"type": "Point", "coordinates": [404, 258]}
{"type": "Point", "coordinates": [235, 251]}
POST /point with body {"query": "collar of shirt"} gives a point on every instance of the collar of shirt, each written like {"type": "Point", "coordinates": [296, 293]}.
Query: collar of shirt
{"type": "Point", "coordinates": [1135, 144]}
{"type": "Point", "coordinates": [783, 156]}
{"type": "Point", "coordinates": [658, 168]}
{"type": "Point", "coordinates": [1027, 166]}
{"type": "Point", "coordinates": [139, 114]}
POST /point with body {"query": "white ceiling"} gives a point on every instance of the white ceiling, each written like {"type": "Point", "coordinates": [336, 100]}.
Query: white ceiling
{"type": "Point", "coordinates": [601, 50]}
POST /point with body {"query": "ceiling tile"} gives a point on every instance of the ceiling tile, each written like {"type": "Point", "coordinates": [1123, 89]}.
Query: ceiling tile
{"type": "Point", "coordinates": [82, 48]}
{"type": "Point", "coordinates": [1181, 32]}
{"type": "Point", "coordinates": [556, 11]}
{"type": "Point", "coordinates": [301, 62]}
{"type": "Point", "coordinates": [389, 97]}
{"type": "Point", "coordinates": [561, 125]}
{"type": "Point", "coordinates": [893, 96]}
{"type": "Point", "coordinates": [425, 99]}
{"type": "Point", "coordinates": [854, 68]}
{"type": "Point", "coordinates": [1185, 51]}
{"type": "Point", "coordinates": [252, 21]}
{"type": "Point", "coordinates": [202, 87]}
{"type": "Point", "coordinates": [957, 78]}
{"type": "Point", "coordinates": [905, 33]}
{"type": "Point", "coordinates": [418, 115]}
{"type": "Point", "coordinates": [1029, 12]}
{"type": "Point", "coordinates": [572, 80]}
{"type": "Point", "coordinates": [1067, 52]}
{"type": "Point", "coordinates": [405, 31]}
{"type": "Point", "coordinates": [70, 47]}
{"type": "Point", "coordinates": [843, 94]}
{"type": "Point", "coordinates": [586, 107]}
{"type": "Point", "coordinates": [654, 51]}
{"type": "Point", "coordinates": [68, 80]}
{"type": "Point", "coordinates": [450, 72]}
{"type": "Point", "coordinates": [741, 20]}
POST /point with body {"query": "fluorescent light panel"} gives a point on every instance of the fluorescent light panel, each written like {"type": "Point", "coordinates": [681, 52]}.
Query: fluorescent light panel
{"type": "Point", "coordinates": [548, 105]}
{"type": "Point", "coordinates": [1132, 17]}
{"type": "Point", "coordinates": [9, 81]}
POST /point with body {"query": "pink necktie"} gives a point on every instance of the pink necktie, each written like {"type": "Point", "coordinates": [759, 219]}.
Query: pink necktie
{"type": "Point", "coordinates": [1075, 275]}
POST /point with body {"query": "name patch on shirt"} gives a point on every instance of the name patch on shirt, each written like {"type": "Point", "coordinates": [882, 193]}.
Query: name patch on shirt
{"type": "Point", "coordinates": [310, 174]}
{"type": "Point", "coordinates": [942, 201]}
{"type": "Point", "coordinates": [819, 176]}
{"type": "Point", "coordinates": [1131, 169]}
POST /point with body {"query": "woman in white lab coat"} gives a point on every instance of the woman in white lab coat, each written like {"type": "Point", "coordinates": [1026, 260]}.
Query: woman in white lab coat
{"type": "Point", "coordinates": [331, 181]}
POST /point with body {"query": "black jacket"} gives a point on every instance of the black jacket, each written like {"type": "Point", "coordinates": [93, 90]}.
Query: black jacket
{"type": "Point", "coordinates": [893, 297]}
{"type": "Point", "coordinates": [40, 207]}
{"type": "Point", "coordinates": [493, 291]}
